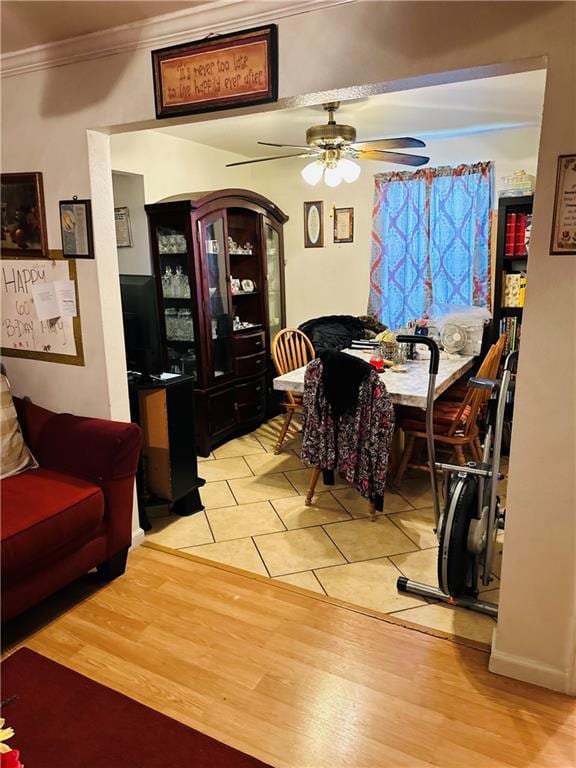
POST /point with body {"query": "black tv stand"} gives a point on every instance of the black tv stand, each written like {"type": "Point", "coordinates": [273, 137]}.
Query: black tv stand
{"type": "Point", "coordinates": [168, 471]}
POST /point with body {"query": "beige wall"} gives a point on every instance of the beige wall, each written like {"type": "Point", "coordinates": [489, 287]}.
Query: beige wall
{"type": "Point", "coordinates": [48, 112]}
{"type": "Point", "coordinates": [319, 281]}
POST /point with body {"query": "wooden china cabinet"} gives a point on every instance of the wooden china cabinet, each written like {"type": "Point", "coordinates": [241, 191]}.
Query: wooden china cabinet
{"type": "Point", "coordinates": [219, 265]}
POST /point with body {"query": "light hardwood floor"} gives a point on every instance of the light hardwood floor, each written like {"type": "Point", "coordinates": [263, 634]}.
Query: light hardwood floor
{"type": "Point", "coordinates": [292, 679]}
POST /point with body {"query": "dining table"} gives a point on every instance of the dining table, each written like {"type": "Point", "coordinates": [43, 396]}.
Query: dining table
{"type": "Point", "coordinates": [407, 387]}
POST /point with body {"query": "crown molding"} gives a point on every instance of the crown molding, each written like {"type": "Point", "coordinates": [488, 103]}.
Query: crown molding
{"type": "Point", "coordinates": [158, 31]}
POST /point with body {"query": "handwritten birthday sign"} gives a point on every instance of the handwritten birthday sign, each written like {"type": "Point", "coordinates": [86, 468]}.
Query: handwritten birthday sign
{"type": "Point", "coordinates": [230, 70]}
{"type": "Point", "coordinates": [24, 334]}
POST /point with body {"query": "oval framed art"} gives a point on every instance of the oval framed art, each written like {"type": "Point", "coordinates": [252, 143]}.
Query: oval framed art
{"type": "Point", "coordinates": [313, 224]}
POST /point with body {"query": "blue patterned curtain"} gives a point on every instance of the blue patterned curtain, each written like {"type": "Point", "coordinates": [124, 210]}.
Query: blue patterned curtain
{"type": "Point", "coordinates": [430, 241]}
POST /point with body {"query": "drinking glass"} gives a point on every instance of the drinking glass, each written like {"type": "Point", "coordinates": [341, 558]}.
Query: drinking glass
{"type": "Point", "coordinates": [170, 317]}
{"type": "Point", "coordinates": [167, 283]}
{"type": "Point", "coordinates": [185, 324]}
{"type": "Point", "coordinates": [377, 359]}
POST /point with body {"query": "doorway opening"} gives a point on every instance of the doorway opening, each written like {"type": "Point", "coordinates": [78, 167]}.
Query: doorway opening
{"type": "Point", "coordinates": [255, 517]}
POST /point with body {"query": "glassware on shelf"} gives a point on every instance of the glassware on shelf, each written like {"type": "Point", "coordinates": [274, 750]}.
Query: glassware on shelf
{"type": "Point", "coordinates": [188, 363]}
{"type": "Point", "coordinates": [185, 329]}
{"type": "Point", "coordinates": [181, 285]}
{"type": "Point", "coordinates": [171, 319]}
{"type": "Point", "coordinates": [167, 283]}
{"type": "Point", "coordinates": [175, 285]}
{"type": "Point", "coordinates": [171, 243]}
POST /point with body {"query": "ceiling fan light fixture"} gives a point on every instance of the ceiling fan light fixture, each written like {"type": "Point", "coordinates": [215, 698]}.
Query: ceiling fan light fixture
{"type": "Point", "coordinates": [312, 173]}
{"type": "Point", "coordinates": [333, 176]}
{"type": "Point", "coordinates": [349, 170]}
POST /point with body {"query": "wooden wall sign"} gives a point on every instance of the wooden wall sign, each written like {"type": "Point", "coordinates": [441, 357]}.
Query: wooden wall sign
{"type": "Point", "coordinates": [226, 71]}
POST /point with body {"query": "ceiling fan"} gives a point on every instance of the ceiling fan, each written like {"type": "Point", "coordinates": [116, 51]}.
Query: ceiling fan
{"type": "Point", "coordinates": [333, 149]}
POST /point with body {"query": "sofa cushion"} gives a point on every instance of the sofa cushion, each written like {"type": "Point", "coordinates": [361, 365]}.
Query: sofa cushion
{"type": "Point", "coordinates": [16, 456]}
{"type": "Point", "coordinates": [44, 515]}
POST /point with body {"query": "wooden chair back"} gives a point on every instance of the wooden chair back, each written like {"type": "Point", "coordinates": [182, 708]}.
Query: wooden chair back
{"type": "Point", "coordinates": [467, 414]}
{"type": "Point", "coordinates": [291, 349]}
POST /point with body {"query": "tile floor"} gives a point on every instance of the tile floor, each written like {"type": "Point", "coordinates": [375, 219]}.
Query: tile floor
{"type": "Point", "coordinates": [255, 519]}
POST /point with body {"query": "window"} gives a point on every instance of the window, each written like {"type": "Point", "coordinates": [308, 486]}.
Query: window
{"type": "Point", "coordinates": [430, 241]}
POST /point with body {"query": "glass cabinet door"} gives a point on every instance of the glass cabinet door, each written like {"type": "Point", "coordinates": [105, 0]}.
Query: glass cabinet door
{"type": "Point", "coordinates": [177, 305]}
{"type": "Point", "coordinates": [274, 280]}
{"type": "Point", "coordinates": [219, 321]}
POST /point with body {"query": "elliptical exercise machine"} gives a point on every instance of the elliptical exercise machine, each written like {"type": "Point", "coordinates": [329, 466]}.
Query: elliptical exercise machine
{"type": "Point", "coordinates": [468, 524]}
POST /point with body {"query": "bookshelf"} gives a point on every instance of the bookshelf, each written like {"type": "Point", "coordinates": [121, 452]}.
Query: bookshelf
{"type": "Point", "coordinates": [511, 267]}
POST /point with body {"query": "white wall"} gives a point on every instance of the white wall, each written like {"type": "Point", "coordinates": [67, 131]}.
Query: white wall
{"type": "Point", "coordinates": [337, 275]}
{"type": "Point", "coordinates": [129, 192]}
{"type": "Point", "coordinates": [49, 113]}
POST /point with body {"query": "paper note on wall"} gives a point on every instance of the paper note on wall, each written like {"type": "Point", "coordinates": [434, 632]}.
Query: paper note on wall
{"type": "Point", "coordinates": [54, 299]}
{"type": "Point", "coordinates": [22, 328]}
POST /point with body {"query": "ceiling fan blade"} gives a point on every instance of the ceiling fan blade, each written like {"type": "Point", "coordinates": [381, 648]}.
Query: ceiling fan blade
{"type": "Point", "coordinates": [393, 157]}
{"type": "Point", "coordinates": [403, 142]}
{"type": "Point", "coordinates": [289, 146]}
{"type": "Point", "coordinates": [264, 159]}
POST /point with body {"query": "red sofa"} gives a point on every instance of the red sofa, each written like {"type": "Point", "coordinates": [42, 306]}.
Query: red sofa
{"type": "Point", "coordinates": [71, 514]}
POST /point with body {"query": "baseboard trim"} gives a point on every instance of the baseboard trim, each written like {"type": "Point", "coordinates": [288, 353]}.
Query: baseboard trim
{"type": "Point", "coordinates": [137, 538]}
{"type": "Point", "coordinates": [530, 671]}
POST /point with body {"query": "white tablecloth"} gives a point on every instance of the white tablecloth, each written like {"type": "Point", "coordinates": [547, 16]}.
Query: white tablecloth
{"type": "Point", "coordinates": [408, 388]}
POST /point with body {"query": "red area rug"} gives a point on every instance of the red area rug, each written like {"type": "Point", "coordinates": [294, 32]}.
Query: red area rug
{"type": "Point", "coordinates": [62, 719]}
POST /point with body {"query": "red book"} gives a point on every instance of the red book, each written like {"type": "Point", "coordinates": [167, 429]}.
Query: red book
{"type": "Point", "coordinates": [520, 234]}
{"type": "Point", "coordinates": [510, 234]}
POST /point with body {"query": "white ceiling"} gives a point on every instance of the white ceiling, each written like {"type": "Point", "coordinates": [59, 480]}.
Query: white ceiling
{"type": "Point", "coordinates": [27, 23]}
{"type": "Point", "coordinates": [435, 112]}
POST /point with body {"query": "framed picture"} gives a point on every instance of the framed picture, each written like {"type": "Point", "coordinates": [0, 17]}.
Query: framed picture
{"type": "Point", "coordinates": [76, 229]}
{"type": "Point", "coordinates": [314, 224]}
{"type": "Point", "coordinates": [343, 225]}
{"type": "Point", "coordinates": [23, 216]}
{"type": "Point", "coordinates": [123, 228]}
{"type": "Point", "coordinates": [232, 70]}
{"type": "Point", "coordinates": [563, 240]}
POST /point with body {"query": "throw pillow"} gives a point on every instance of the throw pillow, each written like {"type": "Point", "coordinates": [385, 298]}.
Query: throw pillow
{"type": "Point", "coordinates": [15, 456]}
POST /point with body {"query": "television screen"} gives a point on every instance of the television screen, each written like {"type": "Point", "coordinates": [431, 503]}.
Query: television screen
{"type": "Point", "coordinates": [142, 337]}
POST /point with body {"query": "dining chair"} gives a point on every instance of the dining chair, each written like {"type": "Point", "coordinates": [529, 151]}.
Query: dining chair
{"type": "Point", "coordinates": [354, 439]}
{"type": "Point", "coordinates": [291, 349]}
{"type": "Point", "coordinates": [455, 423]}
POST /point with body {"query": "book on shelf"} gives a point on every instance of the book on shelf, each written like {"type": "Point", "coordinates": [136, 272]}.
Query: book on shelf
{"type": "Point", "coordinates": [519, 249]}
{"type": "Point", "coordinates": [512, 327]}
{"type": "Point", "coordinates": [527, 233]}
{"type": "Point", "coordinates": [518, 226]}
{"type": "Point", "coordinates": [514, 289]}
{"type": "Point", "coordinates": [510, 234]}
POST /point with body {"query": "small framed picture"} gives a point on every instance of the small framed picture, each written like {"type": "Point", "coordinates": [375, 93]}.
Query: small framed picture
{"type": "Point", "coordinates": [23, 217]}
{"type": "Point", "coordinates": [248, 286]}
{"type": "Point", "coordinates": [76, 229]}
{"type": "Point", "coordinates": [563, 240]}
{"type": "Point", "coordinates": [123, 228]}
{"type": "Point", "coordinates": [314, 224]}
{"type": "Point", "coordinates": [234, 285]}
{"type": "Point", "coordinates": [343, 225]}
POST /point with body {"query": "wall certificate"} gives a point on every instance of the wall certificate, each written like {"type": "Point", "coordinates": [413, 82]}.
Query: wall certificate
{"type": "Point", "coordinates": [563, 239]}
